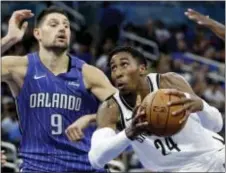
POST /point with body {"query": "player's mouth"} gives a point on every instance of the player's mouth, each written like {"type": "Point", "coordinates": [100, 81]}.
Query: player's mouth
{"type": "Point", "coordinates": [120, 85]}
{"type": "Point", "coordinates": [61, 37]}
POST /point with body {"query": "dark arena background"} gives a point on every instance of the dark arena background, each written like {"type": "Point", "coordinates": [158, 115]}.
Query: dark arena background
{"type": "Point", "coordinates": [169, 40]}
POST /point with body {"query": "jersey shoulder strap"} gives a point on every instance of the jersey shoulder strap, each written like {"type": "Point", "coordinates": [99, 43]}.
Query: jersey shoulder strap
{"type": "Point", "coordinates": [154, 81]}
{"type": "Point", "coordinates": [125, 112]}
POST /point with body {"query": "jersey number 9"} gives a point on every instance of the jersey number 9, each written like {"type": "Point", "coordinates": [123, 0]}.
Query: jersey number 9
{"type": "Point", "coordinates": [56, 124]}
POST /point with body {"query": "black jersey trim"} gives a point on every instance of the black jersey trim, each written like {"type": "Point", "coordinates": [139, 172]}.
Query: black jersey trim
{"type": "Point", "coordinates": [158, 80]}
{"type": "Point", "coordinates": [121, 114]}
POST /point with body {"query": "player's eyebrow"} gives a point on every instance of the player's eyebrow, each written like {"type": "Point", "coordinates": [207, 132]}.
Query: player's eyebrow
{"type": "Point", "coordinates": [67, 21]}
{"type": "Point", "coordinates": [123, 58]}
{"type": "Point", "coordinates": [53, 20]}
{"type": "Point", "coordinates": [56, 20]}
{"type": "Point", "coordinates": [111, 62]}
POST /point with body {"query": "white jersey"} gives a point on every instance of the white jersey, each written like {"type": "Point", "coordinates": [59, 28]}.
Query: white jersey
{"type": "Point", "coordinates": [192, 146]}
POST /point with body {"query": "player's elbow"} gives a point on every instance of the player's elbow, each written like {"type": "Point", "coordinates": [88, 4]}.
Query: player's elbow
{"type": "Point", "coordinates": [95, 160]}
{"type": "Point", "coordinates": [219, 123]}
{"type": "Point", "coordinates": [211, 118]}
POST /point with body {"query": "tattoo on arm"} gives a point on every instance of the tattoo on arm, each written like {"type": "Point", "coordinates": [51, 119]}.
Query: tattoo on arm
{"type": "Point", "coordinates": [107, 115]}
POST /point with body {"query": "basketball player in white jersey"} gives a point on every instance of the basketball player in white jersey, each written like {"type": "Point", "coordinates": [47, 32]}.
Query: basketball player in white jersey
{"type": "Point", "coordinates": [197, 147]}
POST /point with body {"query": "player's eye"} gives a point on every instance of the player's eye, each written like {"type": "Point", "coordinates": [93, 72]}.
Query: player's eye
{"type": "Point", "coordinates": [66, 26]}
{"type": "Point", "coordinates": [113, 67]}
{"type": "Point", "coordinates": [53, 24]}
{"type": "Point", "coordinates": [124, 64]}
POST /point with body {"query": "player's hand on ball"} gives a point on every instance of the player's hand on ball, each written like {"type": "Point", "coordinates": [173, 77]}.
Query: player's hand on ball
{"type": "Point", "coordinates": [75, 131]}
{"type": "Point", "coordinates": [198, 17]}
{"type": "Point", "coordinates": [3, 158]}
{"type": "Point", "coordinates": [191, 104]}
{"type": "Point", "coordinates": [16, 28]}
{"type": "Point", "coordinates": [139, 125]}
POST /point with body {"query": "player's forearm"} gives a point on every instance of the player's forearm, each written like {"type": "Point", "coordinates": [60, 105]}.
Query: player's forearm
{"type": "Point", "coordinates": [7, 42]}
{"type": "Point", "coordinates": [218, 29]}
{"type": "Point", "coordinates": [106, 145]}
{"type": "Point", "coordinates": [210, 117]}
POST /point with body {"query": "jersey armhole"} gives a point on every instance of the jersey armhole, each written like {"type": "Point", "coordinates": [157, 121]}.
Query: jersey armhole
{"type": "Point", "coordinates": [120, 125]}
{"type": "Point", "coordinates": [26, 77]}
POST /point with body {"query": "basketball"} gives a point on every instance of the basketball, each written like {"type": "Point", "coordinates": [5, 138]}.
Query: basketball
{"type": "Point", "coordinates": [159, 115]}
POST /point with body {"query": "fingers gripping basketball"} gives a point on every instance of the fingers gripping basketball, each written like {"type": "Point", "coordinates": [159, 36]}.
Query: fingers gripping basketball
{"type": "Point", "coordinates": [159, 115]}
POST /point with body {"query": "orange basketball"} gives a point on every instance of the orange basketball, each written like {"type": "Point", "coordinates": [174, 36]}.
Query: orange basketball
{"type": "Point", "coordinates": [159, 115]}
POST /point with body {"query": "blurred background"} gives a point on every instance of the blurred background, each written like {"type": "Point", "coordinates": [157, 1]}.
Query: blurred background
{"type": "Point", "coordinates": [160, 30]}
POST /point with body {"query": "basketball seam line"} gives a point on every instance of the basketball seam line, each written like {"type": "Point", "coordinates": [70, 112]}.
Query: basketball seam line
{"type": "Point", "coordinates": [167, 116]}
{"type": "Point", "coordinates": [151, 107]}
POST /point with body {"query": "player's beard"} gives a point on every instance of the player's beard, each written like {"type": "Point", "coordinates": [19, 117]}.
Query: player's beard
{"type": "Point", "coordinates": [57, 46]}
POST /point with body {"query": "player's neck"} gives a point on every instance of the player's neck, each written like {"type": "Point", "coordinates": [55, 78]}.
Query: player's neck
{"type": "Point", "coordinates": [143, 89]}
{"type": "Point", "coordinates": [54, 61]}
{"type": "Point", "coordinates": [129, 99]}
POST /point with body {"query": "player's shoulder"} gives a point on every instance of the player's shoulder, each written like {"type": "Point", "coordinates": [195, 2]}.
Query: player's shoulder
{"type": "Point", "coordinates": [165, 79]}
{"type": "Point", "coordinates": [109, 103]}
{"type": "Point", "coordinates": [169, 78]}
{"type": "Point", "coordinates": [108, 112]}
{"type": "Point", "coordinates": [170, 75]}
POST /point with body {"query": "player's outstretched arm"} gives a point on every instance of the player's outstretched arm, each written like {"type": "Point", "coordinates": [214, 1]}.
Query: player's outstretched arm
{"type": "Point", "coordinates": [97, 82]}
{"type": "Point", "coordinates": [100, 86]}
{"type": "Point", "coordinates": [74, 132]}
{"type": "Point", "coordinates": [16, 29]}
{"type": "Point", "coordinates": [105, 143]}
{"type": "Point", "coordinates": [209, 116]}
{"type": "Point", "coordinates": [216, 27]}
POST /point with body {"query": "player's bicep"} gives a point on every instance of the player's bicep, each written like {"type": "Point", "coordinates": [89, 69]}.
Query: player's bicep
{"type": "Point", "coordinates": [6, 65]}
{"type": "Point", "coordinates": [9, 64]}
{"type": "Point", "coordinates": [107, 115]}
{"type": "Point", "coordinates": [175, 81]}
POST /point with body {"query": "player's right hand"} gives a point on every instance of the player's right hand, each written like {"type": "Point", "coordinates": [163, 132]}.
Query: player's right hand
{"type": "Point", "coordinates": [16, 28]}
{"type": "Point", "coordinates": [74, 132]}
{"type": "Point", "coordinates": [139, 123]}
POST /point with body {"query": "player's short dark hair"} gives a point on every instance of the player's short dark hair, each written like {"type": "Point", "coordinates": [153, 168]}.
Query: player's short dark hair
{"type": "Point", "coordinates": [45, 12]}
{"type": "Point", "coordinates": [136, 54]}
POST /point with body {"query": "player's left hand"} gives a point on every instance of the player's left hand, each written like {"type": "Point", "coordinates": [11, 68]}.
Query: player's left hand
{"type": "Point", "coordinates": [191, 104]}
{"type": "Point", "coordinates": [198, 17]}
{"type": "Point", "coordinates": [16, 31]}
{"type": "Point", "coordinates": [74, 132]}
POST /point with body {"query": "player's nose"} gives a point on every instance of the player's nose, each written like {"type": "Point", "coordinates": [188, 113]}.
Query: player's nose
{"type": "Point", "coordinates": [118, 74]}
{"type": "Point", "coordinates": [62, 29]}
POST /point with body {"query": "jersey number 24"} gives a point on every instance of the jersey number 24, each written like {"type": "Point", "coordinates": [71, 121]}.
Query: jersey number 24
{"type": "Point", "coordinates": [166, 144]}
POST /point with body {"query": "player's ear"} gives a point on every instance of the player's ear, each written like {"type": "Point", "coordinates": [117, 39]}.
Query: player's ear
{"type": "Point", "coordinates": [143, 69]}
{"type": "Point", "coordinates": [36, 33]}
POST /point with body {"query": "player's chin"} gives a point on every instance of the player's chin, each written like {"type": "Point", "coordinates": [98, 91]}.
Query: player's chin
{"type": "Point", "coordinates": [61, 45]}
{"type": "Point", "coordinates": [124, 90]}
